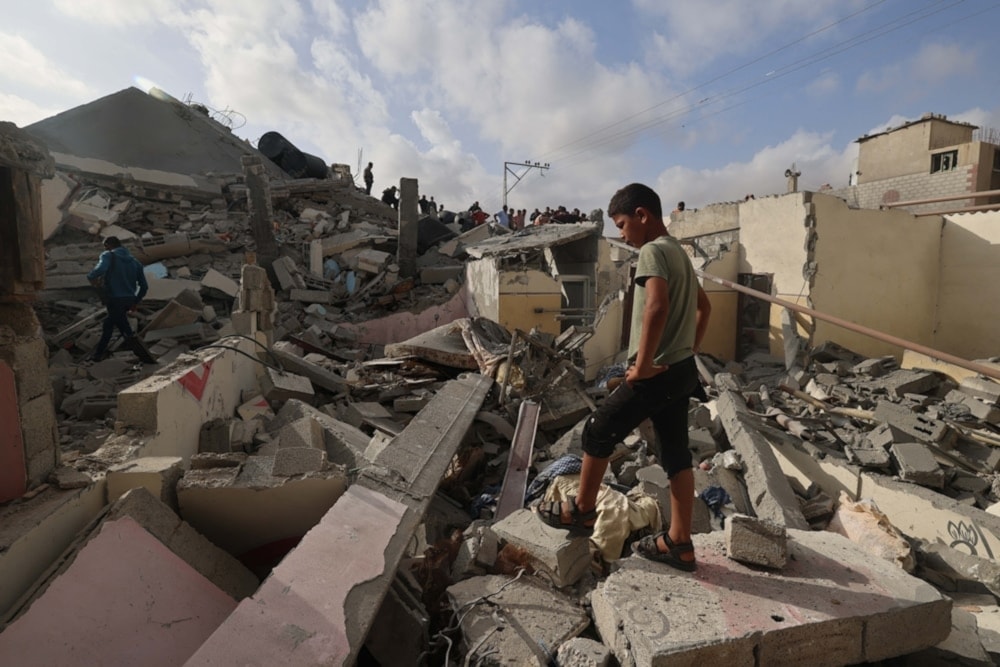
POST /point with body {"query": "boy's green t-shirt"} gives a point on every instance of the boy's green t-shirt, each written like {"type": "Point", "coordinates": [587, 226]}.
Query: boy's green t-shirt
{"type": "Point", "coordinates": [665, 258]}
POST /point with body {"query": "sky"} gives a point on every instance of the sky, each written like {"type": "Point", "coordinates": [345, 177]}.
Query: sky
{"type": "Point", "coordinates": [705, 100]}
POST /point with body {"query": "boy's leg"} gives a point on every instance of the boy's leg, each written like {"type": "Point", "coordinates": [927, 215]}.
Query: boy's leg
{"type": "Point", "coordinates": [671, 426]}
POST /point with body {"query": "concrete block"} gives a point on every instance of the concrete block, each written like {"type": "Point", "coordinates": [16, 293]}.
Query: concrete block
{"type": "Point", "coordinates": [255, 407]}
{"type": "Point", "coordinates": [869, 457]}
{"type": "Point", "coordinates": [566, 559]}
{"type": "Point", "coordinates": [901, 382]}
{"type": "Point", "coordinates": [215, 280]}
{"type": "Point", "coordinates": [69, 478]}
{"type": "Point", "coordinates": [215, 436]}
{"type": "Point", "coordinates": [917, 426]}
{"type": "Point", "coordinates": [160, 520]}
{"type": "Point", "coordinates": [884, 435]}
{"type": "Point", "coordinates": [525, 603]}
{"type": "Point", "coordinates": [978, 408]}
{"type": "Point", "coordinates": [310, 296]}
{"type": "Point", "coordinates": [345, 445]}
{"type": "Point", "coordinates": [756, 541]}
{"type": "Point", "coordinates": [583, 652]}
{"type": "Point", "coordinates": [982, 388]}
{"type": "Point", "coordinates": [291, 461]}
{"type": "Point", "coordinates": [157, 474]}
{"type": "Point", "coordinates": [873, 367]}
{"type": "Point", "coordinates": [809, 613]}
{"type": "Point", "coordinates": [372, 261]}
{"type": "Point", "coordinates": [478, 552]}
{"type": "Point", "coordinates": [304, 432]}
{"type": "Point", "coordinates": [917, 464]}
{"type": "Point", "coordinates": [254, 277]}
{"type": "Point", "coordinates": [278, 387]}
{"type": "Point", "coordinates": [770, 493]}
{"type": "Point", "coordinates": [287, 274]}
{"type": "Point", "coordinates": [120, 602]}
{"type": "Point", "coordinates": [171, 316]}
{"type": "Point", "coordinates": [361, 413]}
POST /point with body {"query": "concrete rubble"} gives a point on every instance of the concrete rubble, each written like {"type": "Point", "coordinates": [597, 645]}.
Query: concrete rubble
{"type": "Point", "coordinates": [316, 464]}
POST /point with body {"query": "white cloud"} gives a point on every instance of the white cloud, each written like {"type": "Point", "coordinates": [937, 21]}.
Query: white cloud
{"type": "Point", "coordinates": [812, 153]}
{"type": "Point", "coordinates": [118, 12]}
{"type": "Point", "coordinates": [825, 84]}
{"type": "Point", "coordinates": [22, 112]}
{"type": "Point", "coordinates": [931, 65]}
{"type": "Point", "coordinates": [21, 63]}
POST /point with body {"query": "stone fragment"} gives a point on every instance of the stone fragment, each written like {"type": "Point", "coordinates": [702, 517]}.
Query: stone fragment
{"type": "Point", "coordinates": [756, 541]}
{"type": "Point", "coordinates": [278, 387]}
{"type": "Point", "coordinates": [215, 280]}
{"type": "Point", "coordinates": [566, 559]}
{"type": "Point", "coordinates": [583, 652]}
{"type": "Point", "coordinates": [291, 461]}
{"type": "Point", "coordinates": [69, 478]}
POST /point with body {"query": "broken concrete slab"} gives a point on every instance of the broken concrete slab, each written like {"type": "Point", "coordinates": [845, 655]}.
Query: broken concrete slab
{"type": "Point", "coordinates": [565, 559]}
{"type": "Point", "coordinates": [291, 461]}
{"type": "Point", "coordinates": [770, 493]}
{"type": "Point", "coordinates": [520, 619]}
{"type": "Point", "coordinates": [583, 652]}
{"type": "Point", "coordinates": [95, 605]}
{"type": "Point", "coordinates": [318, 375]}
{"type": "Point", "coordinates": [213, 563]}
{"type": "Point", "coordinates": [215, 280]}
{"type": "Point", "coordinates": [443, 345]}
{"type": "Point", "coordinates": [303, 615]}
{"type": "Point", "coordinates": [916, 463]}
{"type": "Point", "coordinates": [278, 386]}
{"type": "Point", "coordinates": [832, 605]}
{"type": "Point", "coordinates": [345, 444]}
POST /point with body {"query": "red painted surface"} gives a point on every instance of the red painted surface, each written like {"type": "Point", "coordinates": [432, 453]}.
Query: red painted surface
{"type": "Point", "coordinates": [13, 475]}
{"type": "Point", "coordinates": [194, 383]}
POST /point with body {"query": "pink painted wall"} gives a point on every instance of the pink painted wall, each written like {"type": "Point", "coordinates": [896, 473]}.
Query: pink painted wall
{"type": "Point", "coordinates": [403, 326]}
{"type": "Point", "coordinates": [125, 600]}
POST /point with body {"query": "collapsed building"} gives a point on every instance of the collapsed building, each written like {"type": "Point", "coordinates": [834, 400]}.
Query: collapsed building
{"type": "Point", "coordinates": [354, 405]}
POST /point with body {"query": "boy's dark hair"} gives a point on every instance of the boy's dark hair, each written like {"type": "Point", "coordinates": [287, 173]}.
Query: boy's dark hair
{"type": "Point", "coordinates": [631, 197]}
{"type": "Point", "coordinates": [112, 242]}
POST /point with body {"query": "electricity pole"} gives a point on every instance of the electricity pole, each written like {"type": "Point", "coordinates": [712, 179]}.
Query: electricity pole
{"type": "Point", "coordinates": [540, 166]}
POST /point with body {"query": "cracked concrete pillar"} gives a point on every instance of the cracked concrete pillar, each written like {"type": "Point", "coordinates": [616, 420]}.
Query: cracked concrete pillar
{"type": "Point", "coordinates": [261, 213]}
{"type": "Point", "coordinates": [406, 256]}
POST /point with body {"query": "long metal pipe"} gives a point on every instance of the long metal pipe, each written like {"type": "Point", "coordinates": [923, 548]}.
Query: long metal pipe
{"type": "Point", "coordinates": [967, 209]}
{"type": "Point", "coordinates": [982, 369]}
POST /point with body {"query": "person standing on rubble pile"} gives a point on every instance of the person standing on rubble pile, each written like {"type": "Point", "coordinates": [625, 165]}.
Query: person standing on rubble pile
{"type": "Point", "coordinates": [369, 179]}
{"type": "Point", "coordinates": [389, 197]}
{"type": "Point", "coordinates": [121, 277]}
{"type": "Point", "coordinates": [670, 316]}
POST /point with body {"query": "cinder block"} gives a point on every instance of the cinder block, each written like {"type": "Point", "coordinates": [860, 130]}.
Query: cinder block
{"type": "Point", "coordinates": [304, 432]}
{"type": "Point", "coordinates": [279, 387]}
{"type": "Point", "coordinates": [756, 541]}
{"type": "Point", "coordinates": [566, 559]}
{"type": "Point", "coordinates": [253, 277]}
{"type": "Point", "coordinates": [291, 461]}
{"type": "Point", "coordinates": [917, 464]}
{"type": "Point", "coordinates": [157, 474]}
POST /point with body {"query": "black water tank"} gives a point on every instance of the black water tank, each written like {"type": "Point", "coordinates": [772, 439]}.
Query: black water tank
{"type": "Point", "coordinates": [292, 161]}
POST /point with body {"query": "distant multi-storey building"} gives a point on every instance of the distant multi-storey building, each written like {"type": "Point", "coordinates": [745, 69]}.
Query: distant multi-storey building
{"type": "Point", "coordinates": [929, 158]}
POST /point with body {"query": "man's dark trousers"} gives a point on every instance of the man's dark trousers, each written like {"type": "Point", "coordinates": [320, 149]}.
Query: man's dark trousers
{"type": "Point", "coordinates": [118, 307]}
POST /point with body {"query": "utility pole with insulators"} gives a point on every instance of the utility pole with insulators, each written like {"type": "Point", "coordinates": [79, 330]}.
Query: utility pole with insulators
{"type": "Point", "coordinates": [541, 166]}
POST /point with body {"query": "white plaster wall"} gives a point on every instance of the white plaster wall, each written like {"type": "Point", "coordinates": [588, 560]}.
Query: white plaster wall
{"type": "Point", "coordinates": [878, 269]}
{"type": "Point", "coordinates": [482, 279]}
{"type": "Point", "coordinates": [605, 346]}
{"type": "Point", "coordinates": [173, 406]}
{"type": "Point", "coordinates": [968, 305]}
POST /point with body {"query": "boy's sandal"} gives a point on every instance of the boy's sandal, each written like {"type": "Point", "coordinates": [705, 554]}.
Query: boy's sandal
{"type": "Point", "coordinates": [581, 523]}
{"type": "Point", "coordinates": [646, 547]}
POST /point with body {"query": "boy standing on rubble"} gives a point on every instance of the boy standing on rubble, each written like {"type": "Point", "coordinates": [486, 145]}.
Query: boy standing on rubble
{"type": "Point", "coordinates": [121, 277]}
{"type": "Point", "coordinates": [669, 318]}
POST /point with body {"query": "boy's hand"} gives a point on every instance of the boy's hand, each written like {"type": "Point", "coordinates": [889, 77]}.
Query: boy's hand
{"type": "Point", "coordinates": [636, 373]}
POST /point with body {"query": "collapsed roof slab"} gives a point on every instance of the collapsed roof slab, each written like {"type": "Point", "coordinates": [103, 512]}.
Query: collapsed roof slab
{"type": "Point", "coordinates": [833, 604]}
{"type": "Point", "coordinates": [153, 134]}
{"type": "Point", "coordinates": [149, 608]}
{"type": "Point", "coordinates": [309, 613]}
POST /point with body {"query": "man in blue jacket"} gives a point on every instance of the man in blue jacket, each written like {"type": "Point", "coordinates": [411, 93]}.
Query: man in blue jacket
{"type": "Point", "coordinates": [125, 285]}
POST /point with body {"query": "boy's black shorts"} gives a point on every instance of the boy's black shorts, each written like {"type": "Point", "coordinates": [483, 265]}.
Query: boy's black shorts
{"type": "Point", "coordinates": [663, 399]}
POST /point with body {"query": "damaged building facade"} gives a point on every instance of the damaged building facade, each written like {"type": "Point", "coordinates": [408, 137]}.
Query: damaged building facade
{"type": "Point", "coordinates": [333, 461]}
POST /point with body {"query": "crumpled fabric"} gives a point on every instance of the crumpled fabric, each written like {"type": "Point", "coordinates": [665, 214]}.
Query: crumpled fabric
{"type": "Point", "coordinates": [618, 515]}
{"type": "Point", "coordinates": [567, 464]}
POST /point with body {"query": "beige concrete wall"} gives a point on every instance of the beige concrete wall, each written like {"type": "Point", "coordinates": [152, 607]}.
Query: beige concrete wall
{"type": "Point", "coordinates": [902, 151]}
{"type": "Point", "coordinates": [944, 134]}
{"type": "Point", "coordinates": [967, 322]}
{"type": "Point", "coordinates": [720, 337]}
{"type": "Point", "coordinates": [878, 269]}
{"type": "Point", "coordinates": [772, 235]}
{"type": "Point", "coordinates": [605, 346]}
{"type": "Point", "coordinates": [524, 291]}
{"type": "Point", "coordinates": [407, 324]}
{"type": "Point", "coordinates": [712, 219]}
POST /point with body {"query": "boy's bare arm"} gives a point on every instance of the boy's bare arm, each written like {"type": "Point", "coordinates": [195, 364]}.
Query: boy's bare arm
{"type": "Point", "coordinates": [654, 318]}
{"type": "Point", "coordinates": [701, 318]}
